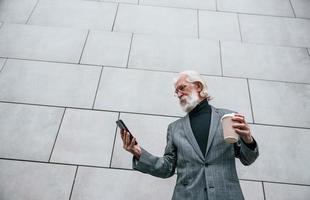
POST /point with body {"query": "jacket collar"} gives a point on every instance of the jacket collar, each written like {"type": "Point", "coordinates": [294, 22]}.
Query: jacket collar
{"type": "Point", "coordinates": [215, 117]}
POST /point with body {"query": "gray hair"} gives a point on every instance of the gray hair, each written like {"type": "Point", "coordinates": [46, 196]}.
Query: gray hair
{"type": "Point", "coordinates": [193, 76]}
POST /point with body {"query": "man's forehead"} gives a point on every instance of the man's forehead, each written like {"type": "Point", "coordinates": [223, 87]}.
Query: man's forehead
{"type": "Point", "coordinates": [181, 80]}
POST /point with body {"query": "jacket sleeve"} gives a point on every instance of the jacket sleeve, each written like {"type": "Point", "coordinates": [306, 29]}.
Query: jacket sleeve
{"type": "Point", "coordinates": [163, 167]}
{"type": "Point", "coordinates": [246, 154]}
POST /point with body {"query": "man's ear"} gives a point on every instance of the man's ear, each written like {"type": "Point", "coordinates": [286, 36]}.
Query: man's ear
{"type": "Point", "coordinates": [199, 86]}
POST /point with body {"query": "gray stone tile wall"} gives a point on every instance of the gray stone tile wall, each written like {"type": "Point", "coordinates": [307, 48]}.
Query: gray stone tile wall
{"type": "Point", "coordinates": [276, 103]}
{"type": "Point", "coordinates": [301, 8]}
{"type": "Point", "coordinates": [263, 7]}
{"type": "Point", "coordinates": [264, 62]}
{"type": "Point", "coordinates": [85, 138]}
{"type": "Point", "coordinates": [16, 11]}
{"type": "Point", "coordinates": [125, 185]}
{"type": "Point", "coordinates": [230, 93]}
{"type": "Point", "coordinates": [286, 192]}
{"type": "Point", "coordinates": [218, 26]}
{"type": "Point", "coordinates": [175, 54]}
{"type": "Point", "coordinates": [122, 1]}
{"type": "Point", "coordinates": [275, 30]}
{"type": "Point", "coordinates": [72, 13]}
{"type": "Point", "coordinates": [47, 43]}
{"type": "Point", "coordinates": [35, 181]}
{"type": "Point", "coordinates": [28, 132]}
{"type": "Point", "coordinates": [49, 83]}
{"type": "Point", "coordinates": [252, 190]}
{"type": "Point", "coordinates": [156, 20]}
{"type": "Point", "coordinates": [194, 4]}
{"type": "Point", "coordinates": [105, 48]}
{"type": "Point", "coordinates": [2, 61]}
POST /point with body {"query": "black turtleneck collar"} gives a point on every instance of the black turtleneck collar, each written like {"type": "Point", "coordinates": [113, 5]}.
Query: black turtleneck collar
{"type": "Point", "coordinates": [200, 118]}
{"type": "Point", "coordinates": [203, 106]}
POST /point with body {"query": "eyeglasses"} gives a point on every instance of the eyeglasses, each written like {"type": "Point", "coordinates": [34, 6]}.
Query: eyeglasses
{"type": "Point", "coordinates": [180, 88]}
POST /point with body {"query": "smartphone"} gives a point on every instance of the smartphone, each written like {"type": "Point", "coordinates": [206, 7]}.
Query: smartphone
{"type": "Point", "coordinates": [122, 125]}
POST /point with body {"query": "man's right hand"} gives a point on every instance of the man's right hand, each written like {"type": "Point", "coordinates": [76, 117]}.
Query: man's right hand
{"type": "Point", "coordinates": [130, 146]}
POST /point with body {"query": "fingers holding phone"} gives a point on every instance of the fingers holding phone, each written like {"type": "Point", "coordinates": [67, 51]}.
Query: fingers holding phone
{"type": "Point", "coordinates": [129, 142]}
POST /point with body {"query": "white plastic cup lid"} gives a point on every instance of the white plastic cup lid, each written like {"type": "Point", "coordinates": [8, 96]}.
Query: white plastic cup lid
{"type": "Point", "coordinates": [228, 115]}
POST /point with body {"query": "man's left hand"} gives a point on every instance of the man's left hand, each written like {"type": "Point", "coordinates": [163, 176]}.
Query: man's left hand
{"type": "Point", "coordinates": [242, 128]}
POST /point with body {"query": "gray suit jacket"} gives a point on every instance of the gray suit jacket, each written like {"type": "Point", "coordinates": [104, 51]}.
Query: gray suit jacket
{"type": "Point", "coordinates": [199, 177]}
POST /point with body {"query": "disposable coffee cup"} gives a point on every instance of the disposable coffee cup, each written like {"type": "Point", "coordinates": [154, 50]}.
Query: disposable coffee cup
{"type": "Point", "coordinates": [230, 135]}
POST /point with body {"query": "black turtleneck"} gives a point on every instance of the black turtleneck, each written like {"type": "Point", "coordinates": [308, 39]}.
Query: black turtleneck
{"type": "Point", "coordinates": [200, 118]}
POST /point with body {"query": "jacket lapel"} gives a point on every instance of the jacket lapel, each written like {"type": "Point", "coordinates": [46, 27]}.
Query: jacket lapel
{"type": "Point", "coordinates": [190, 136]}
{"type": "Point", "coordinates": [215, 117]}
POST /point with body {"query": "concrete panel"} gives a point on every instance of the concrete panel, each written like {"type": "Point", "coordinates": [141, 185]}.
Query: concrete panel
{"type": "Point", "coordinates": [283, 155]}
{"type": "Point", "coordinates": [86, 138]}
{"type": "Point", "coordinates": [156, 88]}
{"type": "Point", "coordinates": [16, 11]}
{"type": "Point", "coordinates": [150, 132]}
{"type": "Point", "coordinates": [301, 8]}
{"type": "Point", "coordinates": [286, 192]}
{"type": "Point", "coordinates": [35, 181]}
{"type": "Point", "coordinates": [265, 62]}
{"type": "Point", "coordinates": [252, 190]}
{"type": "Point", "coordinates": [28, 132]}
{"type": "Point", "coordinates": [218, 26]}
{"type": "Point", "coordinates": [137, 91]}
{"type": "Point", "coordinates": [275, 30]}
{"type": "Point", "coordinates": [2, 61]}
{"type": "Point", "coordinates": [263, 7]}
{"type": "Point", "coordinates": [92, 183]}
{"type": "Point", "coordinates": [175, 54]}
{"type": "Point", "coordinates": [195, 4]}
{"type": "Point", "coordinates": [230, 93]}
{"type": "Point", "coordinates": [156, 20]}
{"type": "Point", "coordinates": [275, 103]}
{"type": "Point", "coordinates": [122, 1]}
{"type": "Point", "coordinates": [49, 83]}
{"type": "Point", "coordinates": [72, 13]}
{"type": "Point", "coordinates": [47, 43]}
{"type": "Point", "coordinates": [106, 48]}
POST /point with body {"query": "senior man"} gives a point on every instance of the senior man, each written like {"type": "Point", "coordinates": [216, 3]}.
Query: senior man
{"type": "Point", "coordinates": [195, 147]}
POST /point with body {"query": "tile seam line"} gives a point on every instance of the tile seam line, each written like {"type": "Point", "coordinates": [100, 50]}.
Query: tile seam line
{"type": "Point", "coordinates": [112, 29]}
{"type": "Point", "coordinates": [198, 35]}
{"type": "Point", "coordinates": [50, 61]}
{"type": "Point", "coordinates": [73, 182]}
{"type": "Point", "coordinates": [97, 88]}
{"type": "Point", "coordinates": [239, 26]}
{"type": "Point", "coordinates": [114, 141]}
{"type": "Point", "coordinates": [212, 10]}
{"type": "Point", "coordinates": [127, 169]}
{"type": "Point", "coordinates": [3, 65]}
{"type": "Point", "coordinates": [221, 58]}
{"type": "Point", "coordinates": [148, 114]}
{"type": "Point", "coordinates": [59, 127]}
{"type": "Point", "coordinates": [161, 71]}
{"type": "Point", "coordinates": [263, 187]}
{"type": "Point", "coordinates": [292, 7]}
{"type": "Point", "coordinates": [89, 109]}
{"type": "Point", "coordinates": [130, 47]}
{"type": "Point", "coordinates": [28, 19]}
{"type": "Point", "coordinates": [84, 45]}
{"type": "Point", "coordinates": [250, 99]}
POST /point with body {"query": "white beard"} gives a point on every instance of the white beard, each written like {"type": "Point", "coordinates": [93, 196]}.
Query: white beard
{"type": "Point", "coordinates": [190, 102]}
